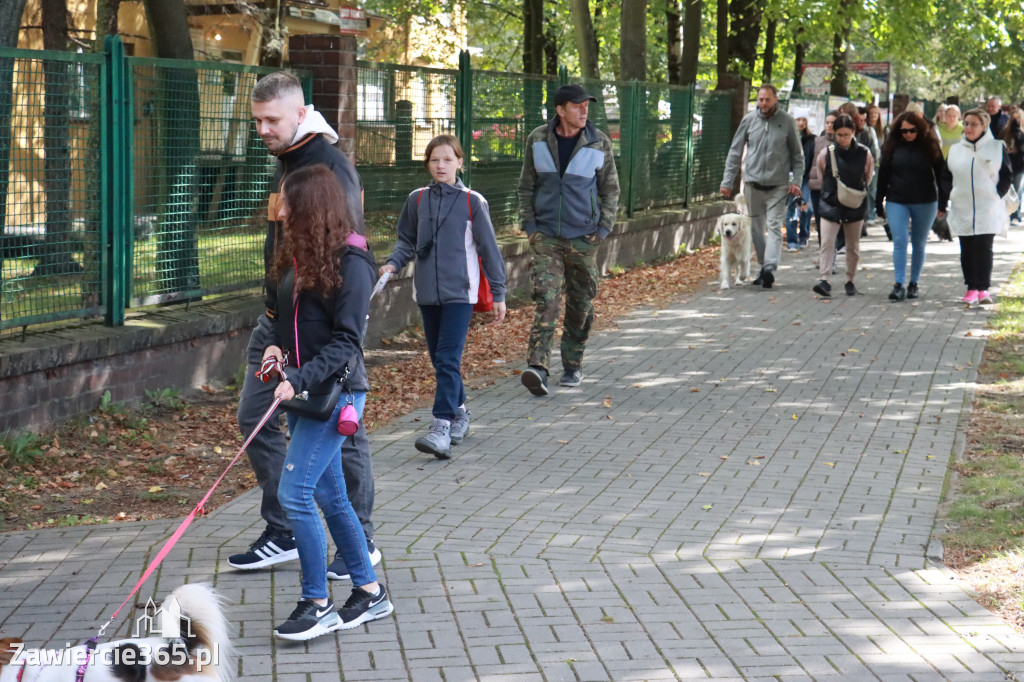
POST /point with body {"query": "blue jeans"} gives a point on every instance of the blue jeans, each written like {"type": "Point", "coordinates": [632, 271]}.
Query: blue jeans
{"type": "Point", "coordinates": [914, 220]}
{"type": "Point", "coordinates": [798, 223]}
{"type": "Point", "coordinates": [312, 471]}
{"type": "Point", "coordinates": [445, 327]}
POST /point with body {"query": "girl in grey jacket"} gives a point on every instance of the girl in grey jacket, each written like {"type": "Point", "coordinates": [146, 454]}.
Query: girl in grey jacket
{"type": "Point", "coordinates": [447, 228]}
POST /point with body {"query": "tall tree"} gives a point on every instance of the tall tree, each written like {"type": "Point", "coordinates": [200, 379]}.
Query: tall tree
{"type": "Point", "coordinates": [840, 56]}
{"type": "Point", "coordinates": [177, 258]}
{"type": "Point", "coordinates": [10, 25]}
{"type": "Point", "coordinates": [56, 258]}
{"type": "Point", "coordinates": [768, 60]}
{"type": "Point", "coordinates": [691, 41]}
{"type": "Point", "coordinates": [633, 41]}
{"type": "Point", "coordinates": [799, 55]}
{"type": "Point", "coordinates": [674, 40]}
{"type": "Point", "coordinates": [533, 36]}
{"type": "Point", "coordinates": [586, 39]}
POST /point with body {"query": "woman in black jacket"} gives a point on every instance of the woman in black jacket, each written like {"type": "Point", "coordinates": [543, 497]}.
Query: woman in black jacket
{"type": "Point", "coordinates": [911, 185]}
{"type": "Point", "coordinates": [855, 167]}
{"type": "Point", "coordinates": [324, 275]}
{"type": "Point", "coordinates": [1013, 137]}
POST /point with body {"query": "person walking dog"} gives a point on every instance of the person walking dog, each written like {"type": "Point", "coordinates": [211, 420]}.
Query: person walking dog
{"type": "Point", "coordinates": [447, 228]}
{"type": "Point", "coordinates": [299, 137]}
{"type": "Point", "coordinates": [568, 200]}
{"type": "Point", "coordinates": [323, 275]}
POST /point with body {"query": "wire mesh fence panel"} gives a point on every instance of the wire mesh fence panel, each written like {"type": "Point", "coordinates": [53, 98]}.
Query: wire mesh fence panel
{"type": "Point", "coordinates": [712, 134]}
{"type": "Point", "coordinates": [606, 115]}
{"type": "Point", "coordinates": [504, 109]}
{"type": "Point", "coordinates": [400, 109]}
{"type": "Point", "coordinates": [199, 183]}
{"type": "Point", "coordinates": [50, 193]}
{"type": "Point", "coordinates": [661, 145]}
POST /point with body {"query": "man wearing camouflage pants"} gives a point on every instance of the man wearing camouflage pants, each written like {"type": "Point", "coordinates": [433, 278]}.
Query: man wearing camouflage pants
{"type": "Point", "coordinates": [568, 198]}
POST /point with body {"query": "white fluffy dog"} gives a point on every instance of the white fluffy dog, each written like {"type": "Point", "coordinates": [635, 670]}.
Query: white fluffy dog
{"type": "Point", "coordinates": [193, 646]}
{"type": "Point", "coordinates": [734, 229]}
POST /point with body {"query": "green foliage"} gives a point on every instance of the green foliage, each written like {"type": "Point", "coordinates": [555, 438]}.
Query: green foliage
{"type": "Point", "coordinates": [22, 447]}
{"type": "Point", "coordinates": [164, 397]}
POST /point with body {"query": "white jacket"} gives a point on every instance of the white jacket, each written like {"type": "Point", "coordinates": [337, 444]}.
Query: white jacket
{"type": "Point", "coordinates": [975, 206]}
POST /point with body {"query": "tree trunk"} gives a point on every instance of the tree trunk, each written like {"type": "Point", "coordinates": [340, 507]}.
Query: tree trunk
{"type": "Point", "coordinates": [633, 109]}
{"type": "Point", "coordinates": [55, 258]}
{"type": "Point", "coordinates": [769, 51]}
{"type": "Point", "coordinates": [839, 85]}
{"type": "Point", "coordinates": [550, 49]}
{"type": "Point", "coordinates": [674, 40]}
{"type": "Point", "coordinates": [745, 24]}
{"type": "Point", "coordinates": [106, 20]}
{"type": "Point", "coordinates": [272, 44]}
{"type": "Point", "coordinates": [177, 250]}
{"type": "Point", "coordinates": [633, 41]}
{"type": "Point", "coordinates": [799, 56]}
{"type": "Point", "coordinates": [691, 41]}
{"type": "Point", "coordinates": [10, 24]}
{"type": "Point", "coordinates": [722, 44]}
{"type": "Point", "coordinates": [533, 36]}
{"type": "Point", "coordinates": [586, 40]}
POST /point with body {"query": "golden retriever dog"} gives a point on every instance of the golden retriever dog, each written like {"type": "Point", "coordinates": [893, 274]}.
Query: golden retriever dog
{"type": "Point", "coordinates": [734, 230]}
{"type": "Point", "coordinates": [188, 642]}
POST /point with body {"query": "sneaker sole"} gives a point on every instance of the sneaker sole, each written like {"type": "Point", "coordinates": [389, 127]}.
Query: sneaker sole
{"type": "Point", "coordinates": [375, 558]}
{"type": "Point", "coordinates": [436, 452]}
{"type": "Point", "coordinates": [366, 617]}
{"type": "Point", "coordinates": [290, 555]}
{"type": "Point", "coordinates": [569, 384]}
{"type": "Point", "coordinates": [822, 292]}
{"type": "Point", "coordinates": [534, 384]}
{"type": "Point", "coordinates": [318, 630]}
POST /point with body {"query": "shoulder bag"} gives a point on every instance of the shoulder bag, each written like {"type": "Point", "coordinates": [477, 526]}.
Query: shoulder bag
{"type": "Point", "coordinates": [848, 197]}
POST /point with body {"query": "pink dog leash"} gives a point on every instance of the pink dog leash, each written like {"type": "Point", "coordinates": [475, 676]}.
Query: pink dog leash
{"type": "Point", "coordinates": [197, 511]}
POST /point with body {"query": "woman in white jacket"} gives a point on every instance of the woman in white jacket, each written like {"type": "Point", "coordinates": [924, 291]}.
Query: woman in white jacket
{"type": "Point", "coordinates": [981, 175]}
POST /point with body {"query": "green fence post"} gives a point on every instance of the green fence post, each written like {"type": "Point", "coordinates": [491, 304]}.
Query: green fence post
{"type": "Point", "coordinates": [563, 75]}
{"type": "Point", "coordinates": [464, 114]}
{"type": "Point", "coordinates": [112, 174]}
{"type": "Point", "coordinates": [690, 108]}
{"type": "Point", "coordinates": [633, 112]}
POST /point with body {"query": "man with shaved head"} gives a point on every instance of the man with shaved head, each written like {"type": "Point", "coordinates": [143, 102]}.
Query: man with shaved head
{"type": "Point", "coordinates": [299, 137]}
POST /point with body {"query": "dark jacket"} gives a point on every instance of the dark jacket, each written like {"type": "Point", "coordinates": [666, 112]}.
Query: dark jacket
{"type": "Point", "coordinates": [456, 223]}
{"type": "Point", "coordinates": [908, 176]}
{"type": "Point", "coordinates": [807, 141]}
{"type": "Point", "coordinates": [310, 150]}
{"type": "Point", "coordinates": [998, 122]}
{"type": "Point", "coordinates": [583, 199]}
{"type": "Point", "coordinates": [853, 166]}
{"type": "Point", "coordinates": [330, 329]}
{"type": "Point", "coordinates": [1015, 146]}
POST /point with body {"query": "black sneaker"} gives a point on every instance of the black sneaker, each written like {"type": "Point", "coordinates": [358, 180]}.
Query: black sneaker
{"type": "Point", "coordinates": [898, 293]}
{"type": "Point", "coordinates": [362, 606]}
{"type": "Point", "coordinates": [309, 620]}
{"type": "Point", "coordinates": [536, 379]}
{"type": "Point", "coordinates": [267, 551]}
{"type": "Point", "coordinates": [850, 289]}
{"type": "Point", "coordinates": [912, 290]}
{"type": "Point", "coordinates": [767, 279]}
{"type": "Point", "coordinates": [338, 571]}
{"type": "Point", "coordinates": [760, 279]}
{"type": "Point", "coordinates": [822, 288]}
{"type": "Point", "coordinates": [571, 377]}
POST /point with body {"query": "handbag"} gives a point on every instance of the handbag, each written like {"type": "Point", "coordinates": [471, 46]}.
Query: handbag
{"type": "Point", "coordinates": [318, 403]}
{"type": "Point", "coordinates": [848, 196]}
{"type": "Point", "coordinates": [484, 297]}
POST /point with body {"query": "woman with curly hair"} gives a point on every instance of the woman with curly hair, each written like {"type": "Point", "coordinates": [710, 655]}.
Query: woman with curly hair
{"type": "Point", "coordinates": [910, 185]}
{"type": "Point", "coordinates": [324, 274]}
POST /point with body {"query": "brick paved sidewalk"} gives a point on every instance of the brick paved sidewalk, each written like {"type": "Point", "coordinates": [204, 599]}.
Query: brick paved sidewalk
{"type": "Point", "coordinates": [757, 503]}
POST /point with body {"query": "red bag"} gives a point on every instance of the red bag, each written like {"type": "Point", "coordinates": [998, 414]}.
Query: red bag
{"type": "Point", "coordinates": [484, 299]}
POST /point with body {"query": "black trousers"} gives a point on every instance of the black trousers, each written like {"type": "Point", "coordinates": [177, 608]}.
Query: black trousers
{"type": "Point", "coordinates": [976, 260]}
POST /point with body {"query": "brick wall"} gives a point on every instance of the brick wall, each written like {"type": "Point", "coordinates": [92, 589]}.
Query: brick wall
{"type": "Point", "coordinates": [332, 61]}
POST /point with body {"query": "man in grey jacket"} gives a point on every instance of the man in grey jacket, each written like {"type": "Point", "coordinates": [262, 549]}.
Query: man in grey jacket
{"type": "Point", "coordinates": [773, 168]}
{"type": "Point", "coordinates": [568, 198]}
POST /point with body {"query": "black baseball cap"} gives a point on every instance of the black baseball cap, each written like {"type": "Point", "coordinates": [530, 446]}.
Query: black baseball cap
{"type": "Point", "coordinates": [574, 93]}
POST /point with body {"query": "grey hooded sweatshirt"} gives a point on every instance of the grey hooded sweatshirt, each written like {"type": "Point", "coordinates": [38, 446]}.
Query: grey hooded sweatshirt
{"type": "Point", "coordinates": [447, 228]}
{"type": "Point", "coordinates": [774, 154]}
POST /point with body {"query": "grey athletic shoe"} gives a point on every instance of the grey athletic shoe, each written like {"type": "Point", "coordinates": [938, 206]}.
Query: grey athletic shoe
{"type": "Point", "coordinates": [460, 426]}
{"type": "Point", "coordinates": [571, 377]}
{"type": "Point", "coordinates": [438, 440]}
{"type": "Point", "coordinates": [536, 380]}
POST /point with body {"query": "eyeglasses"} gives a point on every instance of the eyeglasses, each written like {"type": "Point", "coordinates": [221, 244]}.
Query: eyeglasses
{"type": "Point", "coordinates": [907, 131]}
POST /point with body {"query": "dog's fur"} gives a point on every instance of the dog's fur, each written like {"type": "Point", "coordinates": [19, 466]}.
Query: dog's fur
{"type": "Point", "coordinates": [734, 230]}
{"type": "Point", "coordinates": [209, 632]}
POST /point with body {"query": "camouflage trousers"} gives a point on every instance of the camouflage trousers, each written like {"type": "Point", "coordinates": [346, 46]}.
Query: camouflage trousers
{"type": "Point", "coordinates": [570, 265]}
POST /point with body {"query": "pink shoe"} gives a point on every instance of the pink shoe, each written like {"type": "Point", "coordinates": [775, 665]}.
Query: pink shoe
{"type": "Point", "coordinates": [983, 297]}
{"type": "Point", "coordinates": [970, 297]}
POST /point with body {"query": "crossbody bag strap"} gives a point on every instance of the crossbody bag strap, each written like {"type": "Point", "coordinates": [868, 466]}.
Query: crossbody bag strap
{"type": "Point", "coordinates": [835, 166]}
{"type": "Point", "coordinates": [992, 176]}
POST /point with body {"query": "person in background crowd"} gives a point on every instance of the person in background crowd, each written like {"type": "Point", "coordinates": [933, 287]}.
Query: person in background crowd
{"type": "Point", "coordinates": [814, 178]}
{"type": "Point", "coordinates": [951, 129]}
{"type": "Point", "coordinates": [910, 182]}
{"type": "Point", "coordinates": [772, 168]}
{"type": "Point", "coordinates": [447, 228]}
{"type": "Point", "coordinates": [1013, 137]}
{"type": "Point", "coordinates": [798, 216]}
{"type": "Point", "coordinates": [997, 117]}
{"type": "Point", "coordinates": [855, 167]}
{"type": "Point", "coordinates": [874, 121]}
{"type": "Point", "coordinates": [978, 168]}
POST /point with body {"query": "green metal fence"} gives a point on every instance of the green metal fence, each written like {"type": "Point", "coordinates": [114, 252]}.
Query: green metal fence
{"type": "Point", "coordinates": [132, 181]}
